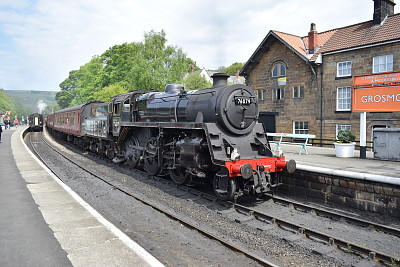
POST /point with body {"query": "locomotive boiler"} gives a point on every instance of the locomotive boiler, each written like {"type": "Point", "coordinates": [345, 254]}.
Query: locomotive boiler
{"type": "Point", "coordinates": [208, 135]}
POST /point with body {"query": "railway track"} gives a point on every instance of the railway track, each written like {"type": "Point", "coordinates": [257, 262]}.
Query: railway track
{"type": "Point", "coordinates": [253, 214]}
{"type": "Point", "coordinates": [262, 260]}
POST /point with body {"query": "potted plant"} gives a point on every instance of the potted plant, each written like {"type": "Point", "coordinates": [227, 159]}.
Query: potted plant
{"type": "Point", "coordinates": [344, 145]}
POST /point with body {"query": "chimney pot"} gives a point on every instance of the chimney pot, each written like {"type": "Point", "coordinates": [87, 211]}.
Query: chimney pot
{"type": "Point", "coordinates": [312, 38]}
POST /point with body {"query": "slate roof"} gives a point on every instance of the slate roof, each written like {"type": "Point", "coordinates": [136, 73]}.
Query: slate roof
{"type": "Point", "coordinates": [350, 37]}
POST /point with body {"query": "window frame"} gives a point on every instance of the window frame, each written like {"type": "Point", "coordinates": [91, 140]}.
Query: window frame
{"type": "Point", "coordinates": [338, 108]}
{"type": "Point", "coordinates": [338, 69]}
{"type": "Point", "coordinates": [374, 59]}
{"type": "Point", "coordinates": [281, 91]}
{"type": "Point", "coordinates": [300, 91]}
{"type": "Point", "coordinates": [342, 127]}
{"type": "Point", "coordinates": [280, 66]}
{"type": "Point", "coordinates": [261, 93]}
{"type": "Point", "coordinates": [304, 129]}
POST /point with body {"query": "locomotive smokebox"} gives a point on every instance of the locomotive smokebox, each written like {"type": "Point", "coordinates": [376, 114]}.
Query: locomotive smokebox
{"type": "Point", "coordinates": [220, 79]}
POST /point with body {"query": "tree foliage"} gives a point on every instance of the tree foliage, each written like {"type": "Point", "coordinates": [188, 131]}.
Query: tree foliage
{"type": "Point", "coordinates": [13, 105]}
{"type": "Point", "coordinates": [5, 101]}
{"type": "Point", "coordinates": [194, 81]}
{"type": "Point", "coordinates": [232, 70]}
{"type": "Point", "coordinates": [150, 64]}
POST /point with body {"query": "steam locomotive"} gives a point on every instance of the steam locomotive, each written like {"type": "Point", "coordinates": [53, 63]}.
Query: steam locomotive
{"type": "Point", "coordinates": [202, 135]}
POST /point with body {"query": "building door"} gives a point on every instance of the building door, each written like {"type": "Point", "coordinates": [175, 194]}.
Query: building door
{"type": "Point", "coordinates": [268, 120]}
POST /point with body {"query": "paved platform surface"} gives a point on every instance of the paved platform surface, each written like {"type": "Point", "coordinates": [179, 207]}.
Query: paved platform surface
{"type": "Point", "coordinates": [43, 223]}
{"type": "Point", "coordinates": [323, 157]}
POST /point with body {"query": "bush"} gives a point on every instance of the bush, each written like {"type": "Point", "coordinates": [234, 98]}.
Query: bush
{"type": "Point", "coordinates": [346, 136]}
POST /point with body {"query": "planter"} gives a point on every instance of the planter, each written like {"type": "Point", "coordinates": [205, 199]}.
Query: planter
{"type": "Point", "coordinates": [344, 150]}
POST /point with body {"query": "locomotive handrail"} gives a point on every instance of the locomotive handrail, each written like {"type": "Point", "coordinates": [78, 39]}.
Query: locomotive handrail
{"type": "Point", "coordinates": [296, 136]}
{"type": "Point", "coordinates": [175, 95]}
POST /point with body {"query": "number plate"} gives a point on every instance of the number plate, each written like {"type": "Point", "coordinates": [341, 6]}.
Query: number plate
{"type": "Point", "coordinates": [243, 101]}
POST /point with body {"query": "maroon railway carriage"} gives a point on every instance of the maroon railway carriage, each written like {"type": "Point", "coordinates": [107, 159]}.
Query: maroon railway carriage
{"type": "Point", "coordinates": [67, 120]}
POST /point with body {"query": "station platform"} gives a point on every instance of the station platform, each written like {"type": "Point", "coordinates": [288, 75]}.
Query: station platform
{"type": "Point", "coordinates": [44, 223]}
{"type": "Point", "coordinates": [324, 160]}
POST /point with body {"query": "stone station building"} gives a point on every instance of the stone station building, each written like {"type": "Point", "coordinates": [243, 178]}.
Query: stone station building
{"type": "Point", "coordinates": [304, 84]}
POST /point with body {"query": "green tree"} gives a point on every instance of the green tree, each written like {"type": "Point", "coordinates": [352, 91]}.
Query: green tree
{"type": "Point", "coordinates": [105, 94]}
{"type": "Point", "coordinates": [234, 69]}
{"type": "Point", "coordinates": [70, 83]}
{"type": "Point", "coordinates": [64, 98]}
{"type": "Point", "coordinates": [126, 67]}
{"type": "Point", "coordinates": [157, 64]}
{"type": "Point", "coordinates": [5, 102]}
{"type": "Point", "coordinates": [194, 81]}
{"type": "Point", "coordinates": [13, 105]}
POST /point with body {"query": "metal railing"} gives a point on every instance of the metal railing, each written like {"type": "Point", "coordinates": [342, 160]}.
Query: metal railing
{"type": "Point", "coordinates": [329, 143]}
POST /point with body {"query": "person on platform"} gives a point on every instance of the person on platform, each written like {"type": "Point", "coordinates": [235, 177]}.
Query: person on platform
{"type": "Point", "coordinates": [1, 130]}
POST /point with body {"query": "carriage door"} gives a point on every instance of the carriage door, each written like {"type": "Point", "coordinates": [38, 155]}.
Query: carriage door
{"type": "Point", "coordinates": [116, 118]}
{"type": "Point", "coordinates": [126, 111]}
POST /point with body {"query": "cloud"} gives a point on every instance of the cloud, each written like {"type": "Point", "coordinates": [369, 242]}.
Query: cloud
{"type": "Point", "coordinates": [42, 40]}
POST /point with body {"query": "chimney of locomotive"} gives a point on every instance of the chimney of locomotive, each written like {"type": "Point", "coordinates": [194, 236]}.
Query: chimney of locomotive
{"type": "Point", "coordinates": [220, 79]}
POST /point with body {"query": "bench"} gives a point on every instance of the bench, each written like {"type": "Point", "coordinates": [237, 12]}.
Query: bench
{"type": "Point", "coordinates": [293, 137]}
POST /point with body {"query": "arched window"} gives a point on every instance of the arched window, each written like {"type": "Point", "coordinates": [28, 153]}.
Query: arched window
{"type": "Point", "coordinates": [279, 70]}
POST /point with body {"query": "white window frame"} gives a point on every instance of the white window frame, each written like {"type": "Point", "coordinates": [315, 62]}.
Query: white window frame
{"type": "Point", "coordinates": [278, 94]}
{"type": "Point", "coordinates": [382, 63]}
{"type": "Point", "coordinates": [344, 69]}
{"type": "Point", "coordinates": [300, 127]}
{"type": "Point", "coordinates": [340, 127]}
{"type": "Point", "coordinates": [280, 67]}
{"type": "Point", "coordinates": [343, 103]}
{"type": "Point", "coordinates": [300, 91]}
{"type": "Point", "coordinates": [261, 94]}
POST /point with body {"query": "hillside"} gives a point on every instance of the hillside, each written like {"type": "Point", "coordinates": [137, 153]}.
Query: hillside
{"type": "Point", "coordinates": [30, 99]}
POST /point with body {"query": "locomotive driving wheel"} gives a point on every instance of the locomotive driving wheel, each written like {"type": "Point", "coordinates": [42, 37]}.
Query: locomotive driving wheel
{"type": "Point", "coordinates": [151, 157]}
{"type": "Point", "coordinates": [179, 175]}
{"type": "Point", "coordinates": [224, 186]}
{"type": "Point", "coordinates": [132, 151]}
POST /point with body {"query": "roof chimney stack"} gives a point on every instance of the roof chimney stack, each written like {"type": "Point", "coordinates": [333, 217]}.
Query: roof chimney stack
{"type": "Point", "coordinates": [312, 39]}
{"type": "Point", "coordinates": [382, 9]}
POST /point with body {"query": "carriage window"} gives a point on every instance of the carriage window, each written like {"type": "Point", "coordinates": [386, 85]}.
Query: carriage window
{"type": "Point", "coordinates": [110, 107]}
{"type": "Point", "coordinates": [101, 111]}
{"type": "Point", "coordinates": [127, 106]}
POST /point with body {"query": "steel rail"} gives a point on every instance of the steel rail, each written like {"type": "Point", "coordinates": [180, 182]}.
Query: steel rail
{"type": "Point", "coordinates": [350, 219]}
{"type": "Point", "coordinates": [262, 260]}
{"type": "Point", "coordinates": [339, 243]}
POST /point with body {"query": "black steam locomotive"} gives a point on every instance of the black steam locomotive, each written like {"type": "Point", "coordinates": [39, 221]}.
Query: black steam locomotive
{"type": "Point", "coordinates": [210, 134]}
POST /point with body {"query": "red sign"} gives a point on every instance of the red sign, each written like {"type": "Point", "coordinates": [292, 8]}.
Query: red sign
{"type": "Point", "coordinates": [376, 99]}
{"type": "Point", "coordinates": [384, 78]}
{"type": "Point", "coordinates": [378, 92]}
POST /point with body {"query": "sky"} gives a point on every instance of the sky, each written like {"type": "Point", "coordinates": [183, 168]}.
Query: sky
{"type": "Point", "coordinates": [41, 41]}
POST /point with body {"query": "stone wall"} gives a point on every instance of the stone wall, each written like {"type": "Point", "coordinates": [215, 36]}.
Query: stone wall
{"type": "Point", "coordinates": [298, 73]}
{"type": "Point", "coordinates": [359, 194]}
{"type": "Point", "coordinates": [362, 63]}
{"type": "Point", "coordinates": [311, 76]}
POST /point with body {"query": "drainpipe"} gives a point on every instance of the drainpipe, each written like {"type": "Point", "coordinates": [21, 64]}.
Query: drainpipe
{"type": "Point", "coordinates": [321, 104]}
{"type": "Point", "coordinates": [316, 82]}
